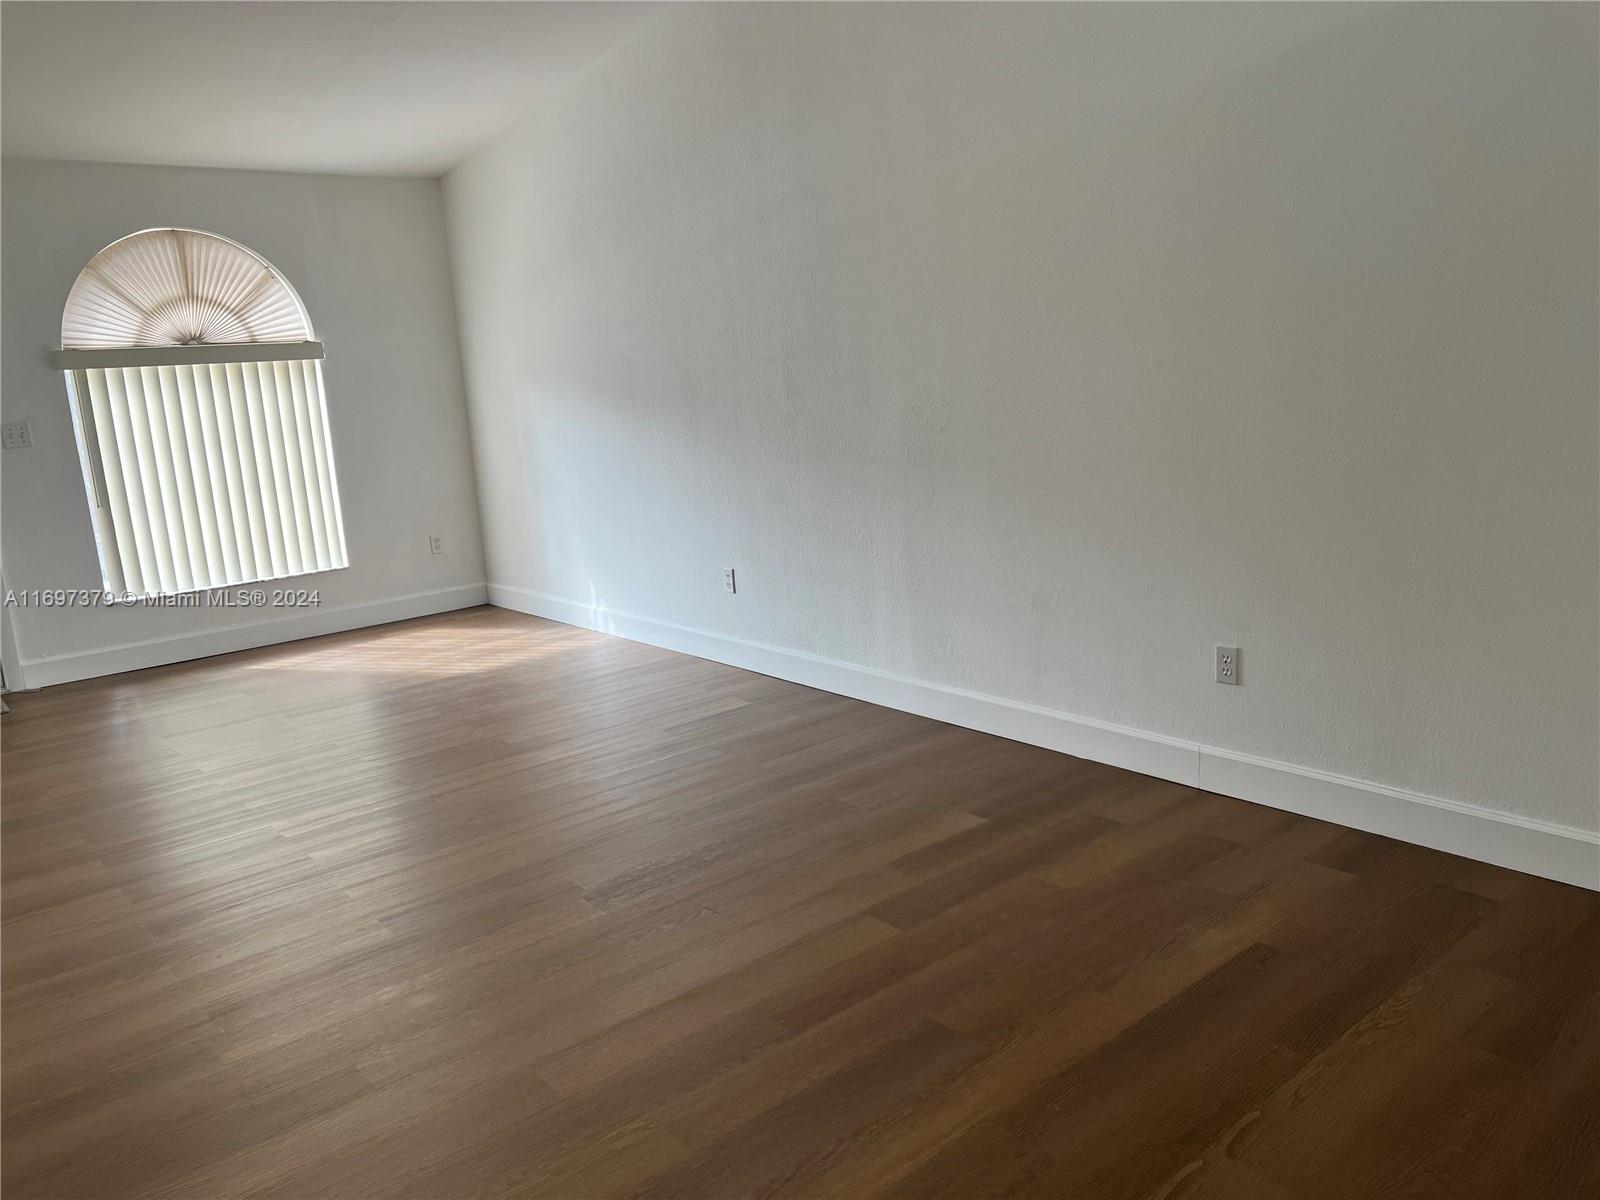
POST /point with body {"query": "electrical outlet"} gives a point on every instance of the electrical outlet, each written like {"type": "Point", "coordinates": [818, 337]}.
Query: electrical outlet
{"type": "Point", "coordinates": [1229, 667]}
{"type": "Point", "coordinates": [18, 435]}
{"type": "Point", "coordinates": [729, 584]}
{"type": "Point", "coordinates": [435, 544]}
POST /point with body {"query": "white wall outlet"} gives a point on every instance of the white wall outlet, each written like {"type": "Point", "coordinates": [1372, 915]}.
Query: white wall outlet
{"type": "Point", "coordinates": [435, 544]}
{"type": "Point", "coordinates": [1228, 665]}
{"type": "Point", "coordinates": [729, 584]}
{"type": "Point", "coordinates": [18, 435]}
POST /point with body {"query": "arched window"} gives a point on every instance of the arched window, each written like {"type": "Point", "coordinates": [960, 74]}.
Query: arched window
{"type": "Point", "coordinates": [195, 381]}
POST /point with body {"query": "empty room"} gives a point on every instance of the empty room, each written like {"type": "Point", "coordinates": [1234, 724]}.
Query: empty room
{"type": "Point", "coordinates": [820, 600]}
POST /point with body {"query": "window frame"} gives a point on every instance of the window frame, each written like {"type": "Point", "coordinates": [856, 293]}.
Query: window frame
{"type": "Point", "coordinates": [225, 473]}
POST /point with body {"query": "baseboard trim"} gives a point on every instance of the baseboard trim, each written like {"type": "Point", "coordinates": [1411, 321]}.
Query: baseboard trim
{"type": "Point", "coordinates": [1520, 843]}
{"type": "Point", "coordinates": [47, 671]}
{"type": "Point", "coordinates": [1534, 847]}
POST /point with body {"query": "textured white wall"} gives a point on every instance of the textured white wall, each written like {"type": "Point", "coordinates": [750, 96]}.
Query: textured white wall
{"type": "Point", "coordinates": [1037, 349]}
{"type": "Point", "coordinates": [368, 258]}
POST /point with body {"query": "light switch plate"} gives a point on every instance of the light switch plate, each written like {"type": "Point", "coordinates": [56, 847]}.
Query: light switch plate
{"type": "Point", "coordinates": [17, 435]}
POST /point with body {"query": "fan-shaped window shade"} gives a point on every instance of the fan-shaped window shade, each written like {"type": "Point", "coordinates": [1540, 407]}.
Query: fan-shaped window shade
{"type": "Point", "coordinates": [196, 390]}
{"type": "Point", "coordinates": [180, 287]}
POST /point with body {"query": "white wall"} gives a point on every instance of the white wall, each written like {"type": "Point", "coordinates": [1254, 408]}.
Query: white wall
{"type": "Point", "coordinates": [368, 258]}
{"type": "Point", "coordinates": [1038, 349]}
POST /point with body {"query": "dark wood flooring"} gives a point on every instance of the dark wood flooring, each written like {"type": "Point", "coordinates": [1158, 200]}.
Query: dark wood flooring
{"type": "Point", "coordinates": [484, 905]}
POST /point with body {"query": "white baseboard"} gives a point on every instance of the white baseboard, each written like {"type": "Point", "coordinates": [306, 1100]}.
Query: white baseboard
{"type": "Point", "coordinates": [1535, 847]}
{"type": "Point", "coordinates": [157, 652]}
{"type": "Point", "coordinates": [1147, 753]}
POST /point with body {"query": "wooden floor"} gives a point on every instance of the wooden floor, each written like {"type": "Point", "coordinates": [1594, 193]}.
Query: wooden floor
{"type": "Point", "coordinates": [485, 905]}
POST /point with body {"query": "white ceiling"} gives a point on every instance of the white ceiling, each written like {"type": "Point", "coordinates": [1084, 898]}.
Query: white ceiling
{"type": "Point", "coordinates": [360, 88]}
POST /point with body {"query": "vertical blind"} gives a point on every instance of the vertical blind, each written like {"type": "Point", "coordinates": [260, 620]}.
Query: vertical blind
{"type": "Point", "coordinates": [204, 474]}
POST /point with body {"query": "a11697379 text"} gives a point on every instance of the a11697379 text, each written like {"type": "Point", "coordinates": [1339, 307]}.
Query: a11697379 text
{"type": "Point", "coordinates": [247, 596]}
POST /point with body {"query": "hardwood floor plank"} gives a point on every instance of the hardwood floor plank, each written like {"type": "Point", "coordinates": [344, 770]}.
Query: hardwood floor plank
{"type": "Point", "coordinates": [1020, 856]}
{"type": "Point", "coordinates": [1188, 1067]}
{"type": "Point", "coordinates": [1411, 935]}
{"type": "Point", "coordinates": [771, 1149]}
{"type": "Point", "coordinates": [481, 905]}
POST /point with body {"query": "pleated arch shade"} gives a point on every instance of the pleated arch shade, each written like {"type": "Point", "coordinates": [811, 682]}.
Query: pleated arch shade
{"type": "Point", "coordinates": [180, 287]}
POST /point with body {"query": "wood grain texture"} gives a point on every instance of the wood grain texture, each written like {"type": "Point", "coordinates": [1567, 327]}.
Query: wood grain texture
{"type": "Point", "coordinates": [482, 905]}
